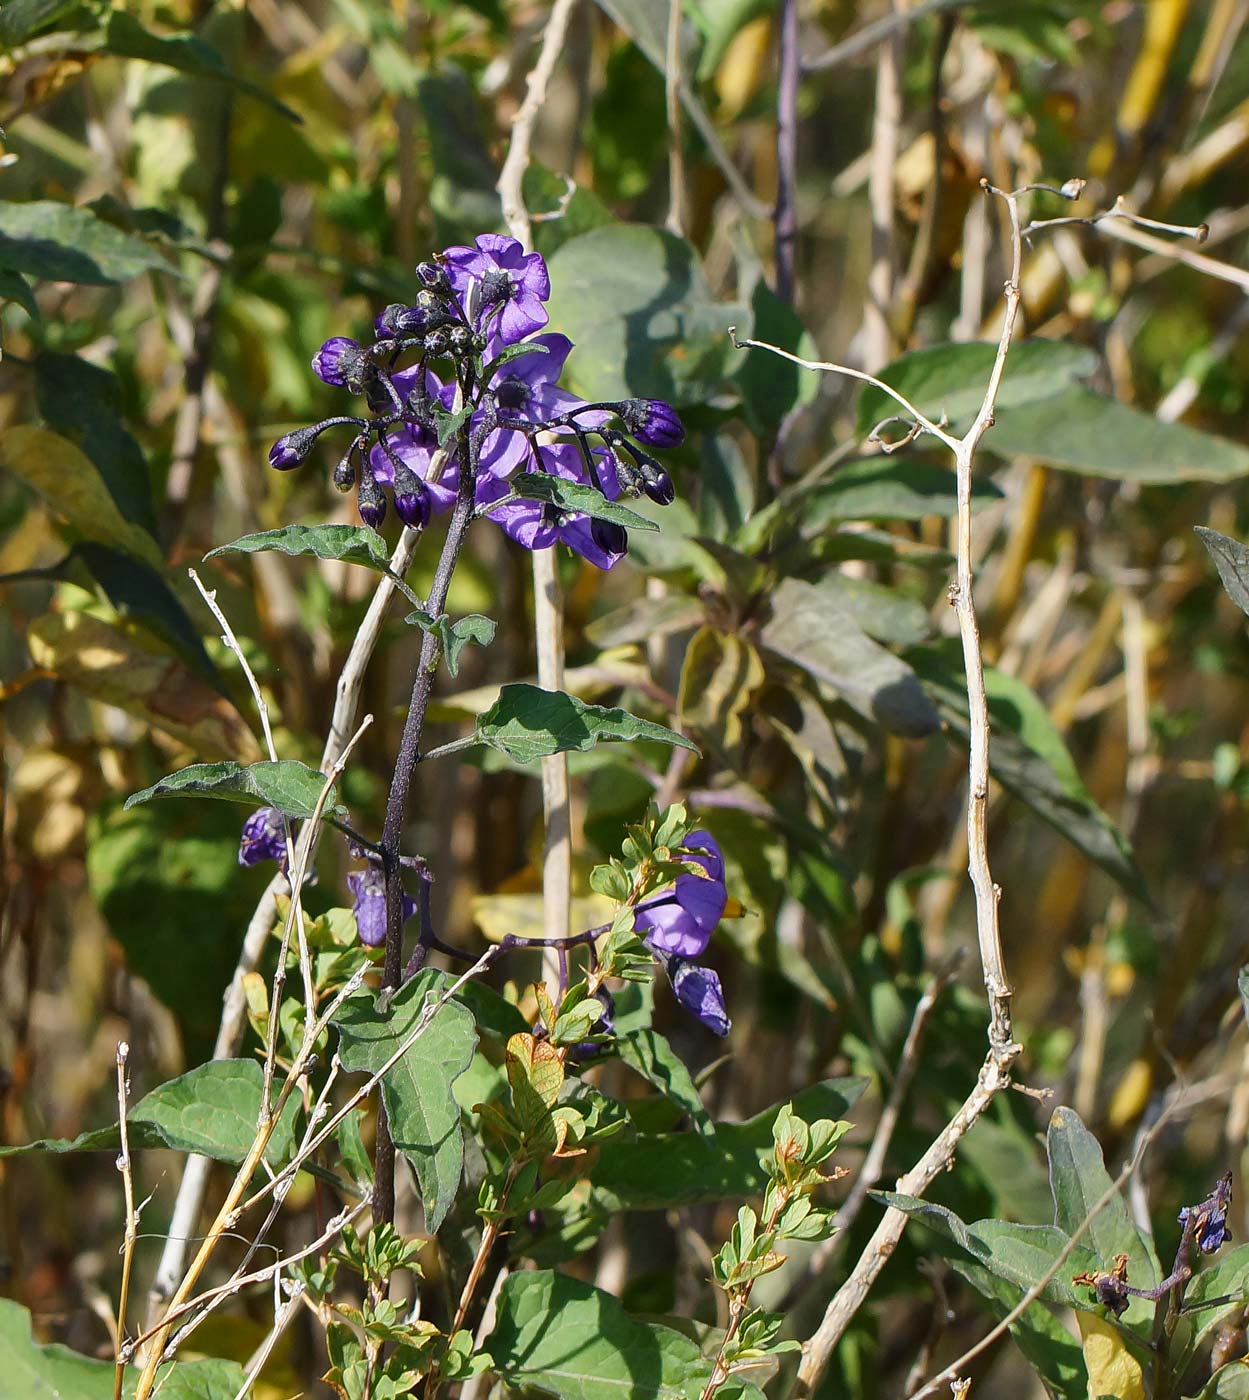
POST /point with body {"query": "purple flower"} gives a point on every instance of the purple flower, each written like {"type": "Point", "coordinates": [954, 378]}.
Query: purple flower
{"type": "Point", "coordinates": [653, 422]}
{"type": "Point", "coordinates": [1209, 1219]}
{"type": "Point", "coordinates": [264, 838]}
{"type": "Point", "coordinates": [368, 887]}
{"type": "Point", "coordinates": [528, 386]}
{"type": "Point", "coordinates": [511, 280]}
{"type": "Point", "coordinates": [339, 361]}
{"type": "Point", "coordinates": [537, 525]}
{"type": "Point", "coordinates": [680, 921]}
{"type": "Point", "coordinates": [698, 989]}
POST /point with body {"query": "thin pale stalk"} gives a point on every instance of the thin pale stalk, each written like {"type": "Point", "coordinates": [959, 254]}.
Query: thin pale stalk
{"type": "Point", "coordinates": [132, 1218]}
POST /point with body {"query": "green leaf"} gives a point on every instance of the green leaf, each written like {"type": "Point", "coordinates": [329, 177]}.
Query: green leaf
{"type": "Point", "coordinates": [462, 195]}
{"type": "Point", "coordinates": [43, 238]}
{"type": "Point", "coordinates": [353, 544]}
{"type": "Point", "coordinates": [1230, 1382]}
{"type": "Point", "coordinates": [82, 402]}
{"type": "Point", "coordinates": [952, 378]}
{"type": "Point", "coordinates": [645, 618]}
{"type": "Point", "coordinates": [527, 723]}
{"type": "Point", "coordinates": [1078, 1179]}
{"type": "Point", "coordinates": [655, 1171]}
{"type": "Point", "coordinates": [453, 637]}
{"type": "Point", "coordinates": [188, 53]}
{"type": "Point", "coordinates": [1227, 1277]}
{"type": "Point", "coordinates": [424, 1116]}
{"type": "Point", "coordinates": [1021, 1254]}
{"type": "Point", "coordinates": [77, 491]}
{"type": "Point", "coordinates": [810, 630]}
{"type": "Point", "coordinates": [1027, 756]}
{"type": "Point", "coordinates": [448, 424]}
{"type": "Point", "coordinates": [885, 614]}
{"type": "Point", "coordinates": [563, 1337]}
{"type": "Point", "coordinates": [15, 288]}
{"type": "Point", "coordinates": [882, 488]}
{"type": "Point", "coordinates": [1231, 558]}
{"type": "Point", "coordinates": [649, 1054]}
{"type": "Point", "coordinates": [23, 19]}
{"type": "Point", "coordinates": [290, 786]}
{"type": "Point", "coordinates": [1050, 1349]}
{"type": "Point", "coordinates": [212, 1110]}
{"type": "Point", "coordinates": [572, 496]}
{"type": "Point", "coordinates": [635, 303]}
{"type": "Point", "coordinates": [54, 1372]}
{"type": "Point", "coordinates": [773, 387]}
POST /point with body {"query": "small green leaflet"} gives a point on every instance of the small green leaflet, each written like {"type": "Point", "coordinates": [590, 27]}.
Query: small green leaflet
{"type": "Point", "coordinates": [290, 786]}
{"type": "Point", "coordinates": [526, 722]}
{"type": "Point", "coordinates": [454, 636]}
{"type": "Point", "coordinates": [448, 424]}
{"type": "Point", "coordinates": [572, 496]}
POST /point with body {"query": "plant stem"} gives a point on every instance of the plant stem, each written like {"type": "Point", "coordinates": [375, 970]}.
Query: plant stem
{"type": "Point", "coordinates": [397, 802]}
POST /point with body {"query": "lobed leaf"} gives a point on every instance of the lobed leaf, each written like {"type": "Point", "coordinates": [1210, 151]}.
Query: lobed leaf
{"type": "Point", "coordinates": [527, 723]}
{"type": "Point", "coordinates": [573, 496]}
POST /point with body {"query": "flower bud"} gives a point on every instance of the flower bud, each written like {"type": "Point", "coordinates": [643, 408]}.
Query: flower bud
{"type": "Point", "coordinates": [291, 449]}
{"type": "Point", "coordinates": [371, 501]}
{"type": "Point", "coordinates": [436, 342]}
{"type": "Point", "coordinates": [340, 361]}
{"type": "Point", "coordinates": [345, 472]}
{"type": "Point", "coordinates": [433, 276]}
{"type": "Point", "coordinates": [264, 837]}
{"type": "Point", "coordinates": [652, 421]}
{"type": "Point", "coordinates": [610, 537]}
{"type": "Point", "coordinates": [657, 484]}
{"type": "Point", "coordinates": [412, 504]}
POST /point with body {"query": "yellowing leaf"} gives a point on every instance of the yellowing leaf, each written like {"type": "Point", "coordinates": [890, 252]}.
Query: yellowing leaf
{"type": "Point", "coordinates": [73, 487]}
{"type": "Point", "coordinates": [1112, 1368]}
{"type": "Point", "coordinates": [120, 665]}
{"type": "Point", "coordinates": [720, 674]}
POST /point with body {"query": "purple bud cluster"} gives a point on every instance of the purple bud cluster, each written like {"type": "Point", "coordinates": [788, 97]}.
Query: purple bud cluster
{"type": "Point", "coordinates": [455, 345]}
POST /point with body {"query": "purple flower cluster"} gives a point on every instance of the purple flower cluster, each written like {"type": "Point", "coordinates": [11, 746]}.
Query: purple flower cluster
{"type": "Point", "coordinates": [1208, 1221]}
{"type": "Point", "coordinates": [677, 924]}
{"type": "Point", "coordinates": [457, 346]}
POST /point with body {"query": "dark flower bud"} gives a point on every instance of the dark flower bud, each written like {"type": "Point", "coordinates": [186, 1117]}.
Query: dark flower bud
{"type": "Point", "coordinates": [460, 337]}
{"type": "Point", "coordinates": [610, 537]}
{"type": "Point", "coordinates": [345, 472]}
{"type": "Point", "coordinates": [412, 503]}
{"type": "Point", "coordinates": [658, 485]}
{"type": "Point", "coordinates": [398, 320]}
{"type": "Point", "coordinates": [371, 501]}
{"type": "Point", "coordinates": [433, 276]}
{"type": "Point", "coordinates": [341, 361]}
{"type": "Point", "coordinates": [652, 421]}
{"type": "Point", "coordinates": [289, 451]}
{"type": "Point", "coordinates": [436, 342]}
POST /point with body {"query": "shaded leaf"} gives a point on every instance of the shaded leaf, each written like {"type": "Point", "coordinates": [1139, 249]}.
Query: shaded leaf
{"type": "Point", "coordinates": [1027, 756]}
{"type": "Point", "coordinates": [45, 239]}
{"type": "Point", "coordinates": [719, 676]}
{"type": "Point", "coordinates": [649, 1054]}
{"type": "Point", "coordinates": [1021, 1254]}
{"type": "Point", "coordinates": [635, 303]}
{"type": "Point", "coordinates": [526, 723]}
{"type": "Point", "coordinates": [82, 402]}
{"type": "Point", "coordinates": [1052, 1351]}
{"type": "Point", "coordinates": [188, 53]}
{"type": "Point", "coordinates": [811, 631]}
{"type": "Point", "coordinates": [424, 1116]}
{"type": "Point", "coordinates": [1078, 1180]}
{"type": "Point", "coordinates": [1231, 558]}
{"type": "Point", "coordinates": [23, 19]}
{"type": "Point", "coordinates": [563, 1337]}
{"type": "Point", "coordinates": [773, 387]}
{"type": "Point", "coordinates": [1230, 1382]}
{"type": "Point", "coordinates": [655, 1171]}
{"type": "Point", "coordinates": [123, 665]}
{"type": "Point", "coordinates": [290, 786]}
{"type": "Point", "coordinates": [76, 490]}
{"type": "Point", "coordinates": [1227, 1278]}
{"type": "Point", "coordinates": [952, 378]}
{"type": "Point", "coordinates": [211, 1110]}
{"type": "Point", "coordinates": [883, 488]}
{"type": "Point", "coordinates": [571, 495]}
{"type": "Point", "coordinates": [645, 618]}
{"type": "Point", "coordinates": [14, 287]}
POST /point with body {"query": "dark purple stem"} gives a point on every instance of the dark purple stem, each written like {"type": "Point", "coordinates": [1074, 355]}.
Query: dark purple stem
{"type": "Point", "coordinates": [397, 802]}
{"type": "Point", "coordinates": [785, 214]}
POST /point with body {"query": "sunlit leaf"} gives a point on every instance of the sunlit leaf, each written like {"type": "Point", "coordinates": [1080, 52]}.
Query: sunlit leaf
{"type": "Point", "coordinates": [526, 723]}
{"type": "Point", "coordinates": [290, 786]}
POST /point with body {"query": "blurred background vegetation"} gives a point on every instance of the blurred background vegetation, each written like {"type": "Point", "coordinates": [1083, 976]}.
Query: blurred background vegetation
{"type": "Point", "coordinates": [194, 196]}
